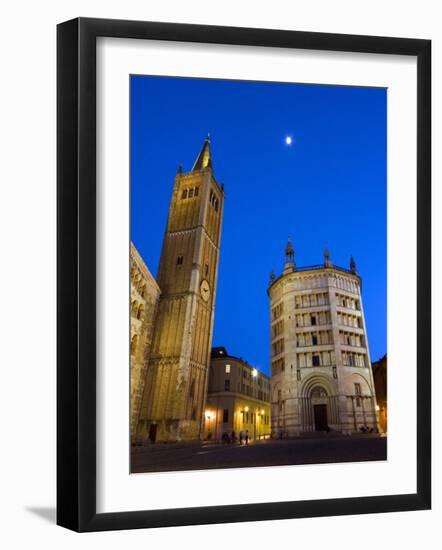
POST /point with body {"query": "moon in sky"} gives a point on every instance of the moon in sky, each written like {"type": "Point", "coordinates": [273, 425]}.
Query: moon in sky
{"type": "Point", "coordinates": [288, 140]}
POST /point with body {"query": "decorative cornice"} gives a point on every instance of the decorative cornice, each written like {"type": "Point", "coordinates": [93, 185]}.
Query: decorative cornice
{"type": "Point", "coordinates": [189, 230]}
{"type": "Point", "coordinates": [315, 270]}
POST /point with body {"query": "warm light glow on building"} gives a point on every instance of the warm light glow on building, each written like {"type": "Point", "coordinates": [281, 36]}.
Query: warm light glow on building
{"type": "Point", "coordinates": [235, 399]}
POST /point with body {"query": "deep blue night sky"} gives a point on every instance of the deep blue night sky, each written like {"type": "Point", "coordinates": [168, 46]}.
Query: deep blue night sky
{"type": "Point", "coordinates": [327, 188]}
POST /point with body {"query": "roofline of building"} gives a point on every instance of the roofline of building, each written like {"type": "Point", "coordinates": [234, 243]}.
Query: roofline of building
{"type": "Point", "coordinates": [142, 265]}
{"type": "Point", "coordinates": [317, 267]}
{"type": "Point", "coordinates": [379, 361]}
{"type": "Point", "coordinates": [240, 360]}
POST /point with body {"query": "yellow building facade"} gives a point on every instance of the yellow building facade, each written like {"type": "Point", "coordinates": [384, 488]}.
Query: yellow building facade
{"type": "Point", "coordinates": [238, 399]}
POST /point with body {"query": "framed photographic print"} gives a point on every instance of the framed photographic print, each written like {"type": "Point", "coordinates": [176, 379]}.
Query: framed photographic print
{"type": "Point", "coordinates": [243, 248]}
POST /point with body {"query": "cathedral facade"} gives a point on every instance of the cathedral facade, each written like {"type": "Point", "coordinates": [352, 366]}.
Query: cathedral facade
{"type": "Point", "coordinates": [321, 376]}
{"type": "Point", "coordinates": [144, 296]}
{"type": "Point", "coordinates": [176, 379]}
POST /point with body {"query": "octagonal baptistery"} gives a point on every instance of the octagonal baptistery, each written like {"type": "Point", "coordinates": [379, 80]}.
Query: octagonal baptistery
{"type": "Point", "coordinates": [321, 377]}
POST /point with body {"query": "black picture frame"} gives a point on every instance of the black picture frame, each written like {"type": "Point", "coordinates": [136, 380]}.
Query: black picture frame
{"type": "Point", "coordinates": [76, 274]}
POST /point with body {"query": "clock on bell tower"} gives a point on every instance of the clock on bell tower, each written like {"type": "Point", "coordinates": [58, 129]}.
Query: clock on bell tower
{"type": "Point", "coordinates": [205, 290]}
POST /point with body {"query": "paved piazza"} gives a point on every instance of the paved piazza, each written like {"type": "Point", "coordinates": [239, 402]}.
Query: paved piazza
{"type": "Point", "coordinates": [201, 456]}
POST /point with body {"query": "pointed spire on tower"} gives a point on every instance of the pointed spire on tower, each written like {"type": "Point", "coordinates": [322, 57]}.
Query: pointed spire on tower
{"type": "Point", "coordinates": [204, 159]}
{"type": "Point", "coordinates": [180, 168]}
{"type": "Point", "coordinates": [327, 262]}
{"type": "Point", "coordinates": [272, 276]}
{"type": "Point", "coordinates": [289, 257]}
{"type": "Point", "coordinates": [352, 265]}
{"type": "Point", "coordinates": [289, 251]}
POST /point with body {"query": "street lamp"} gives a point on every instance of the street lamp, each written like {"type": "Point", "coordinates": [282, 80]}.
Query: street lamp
{"type": "Point", "coordinates": [262, 416]}
{"type": "Point", "coordinates": [209, 417]}
{"type": "Point", "coordinates": [246, 410]}
{"type": "Point", "coordinates": [256, 421]}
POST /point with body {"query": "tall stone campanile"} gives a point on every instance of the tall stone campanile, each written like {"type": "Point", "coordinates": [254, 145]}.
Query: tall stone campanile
{"type": "Point", "coordinates": [176, 384]}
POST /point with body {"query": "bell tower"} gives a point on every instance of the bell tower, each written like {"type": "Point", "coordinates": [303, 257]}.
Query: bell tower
{"type": "Point", "coordinates": [176, 383]}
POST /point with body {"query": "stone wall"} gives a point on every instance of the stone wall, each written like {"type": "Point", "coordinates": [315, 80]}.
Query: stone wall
{"type": "Point", "coordinates": [144, 296]}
